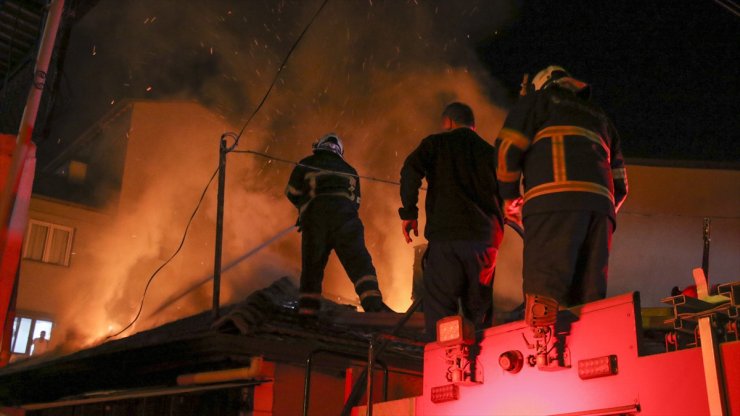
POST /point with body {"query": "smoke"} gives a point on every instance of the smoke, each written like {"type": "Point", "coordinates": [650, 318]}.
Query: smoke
{"type": "Point", "coordinates": [377, 73]}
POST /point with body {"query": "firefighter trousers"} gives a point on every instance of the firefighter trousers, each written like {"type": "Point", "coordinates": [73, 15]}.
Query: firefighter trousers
{"type": "Point", "coordinates": [332, 223]}
{"type": "Point", "coordinates": [458, 271]}
{"type": "Point", "coordinates": [566, 255]}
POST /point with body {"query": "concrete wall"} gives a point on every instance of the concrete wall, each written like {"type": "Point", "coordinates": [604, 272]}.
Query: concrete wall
{"type": "Point", "coordinates": [116, 249]}
{"type": "Point", "coordinates": [658, 240]}
{"type": "Point", "coordinates": [43, 287]}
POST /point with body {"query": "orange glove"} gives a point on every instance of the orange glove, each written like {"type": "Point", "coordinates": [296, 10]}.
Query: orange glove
{"type": "Point", "coordinates": [409, 225]}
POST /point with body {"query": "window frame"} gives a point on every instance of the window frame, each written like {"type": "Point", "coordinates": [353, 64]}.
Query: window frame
{"type": "Point", "coordinates": [46, 253]}
{"type": "Point", "coordinates": [29, 342]}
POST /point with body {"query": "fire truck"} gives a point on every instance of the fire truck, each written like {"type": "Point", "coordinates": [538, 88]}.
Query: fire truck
{"type": "Point", "coordinates": [597, 359]}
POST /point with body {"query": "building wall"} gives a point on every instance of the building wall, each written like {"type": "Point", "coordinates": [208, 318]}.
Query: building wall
{"type": "Point", "coordinates": [326, 391]}
{"type": "Point", "coordinates": [43, 287]}
{"type": "Point", "coordinates": [658, 240]}
{"type": "Point", "coordinates": [171, 150]}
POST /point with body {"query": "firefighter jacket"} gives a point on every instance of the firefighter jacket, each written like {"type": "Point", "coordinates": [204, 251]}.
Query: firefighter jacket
{"type": "Point", "coordinates": [565, 148]}
{"type": "Point", "coordinates": [324, 173]}
{"type": "Point", "coordinates": [462, 200]}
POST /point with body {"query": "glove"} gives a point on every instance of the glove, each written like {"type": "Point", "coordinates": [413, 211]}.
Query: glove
{"type": "Point", "coordinates": [513, 210]}
{"type": "Point", "coordinates": [408, 225]}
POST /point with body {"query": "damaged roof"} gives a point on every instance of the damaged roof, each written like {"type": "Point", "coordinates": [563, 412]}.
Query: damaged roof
{"type": "Point", "coordinates": [264, 324]}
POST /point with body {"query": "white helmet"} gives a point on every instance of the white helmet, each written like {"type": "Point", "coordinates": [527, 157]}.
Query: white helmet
{"type": "Point", "coordinates": [545, 77]}
{"type": "Point", "coordinates": [330, 142]}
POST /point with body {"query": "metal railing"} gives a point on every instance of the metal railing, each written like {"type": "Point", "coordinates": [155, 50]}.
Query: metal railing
{"type": "Point", "coordinates": [309, 367]}
{"type": "Point", "coordinates": [376, 348]}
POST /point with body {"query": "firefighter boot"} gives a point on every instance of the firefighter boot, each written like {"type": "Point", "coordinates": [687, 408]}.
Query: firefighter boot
{"type": "Point", "coordinates": [375, 304]}
{"type": "Point", "coordinates": [309, 304]}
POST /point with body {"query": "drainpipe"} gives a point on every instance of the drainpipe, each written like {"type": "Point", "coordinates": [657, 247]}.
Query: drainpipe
{"type": "Point", "coordinates": [28, 121]}
{"type": "Point", "coordinates": [22, 150]}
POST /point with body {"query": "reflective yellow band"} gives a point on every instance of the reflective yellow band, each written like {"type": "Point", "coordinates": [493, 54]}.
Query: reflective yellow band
{"type": "Point", "coordinates": [568, 186]}
{"type": "Point", "coordinates": [310, 295]}
{"type": "Point", "coordinates": [558, 159]}
{"type": "Point", "coordinates": [554, 131]}
{"type": "Point", "coordinates": [502, 170]}
{"type": "Point", "coordinates": [289, 190]}
{"type": "Point", "coordinates": [619, 173]}
{"type": "Point", "coordinates": [346, 195]}
{"type": "Point", "coordinates": [369, 293]}
{"type": "Point", "coordinates": [514, 137]}
{"type": "Point", "coordinates": [511, 177]}
{"type": "Point", "coordinates": [368, 278]}
{"type": "Point", "coordinates": [308, 311]}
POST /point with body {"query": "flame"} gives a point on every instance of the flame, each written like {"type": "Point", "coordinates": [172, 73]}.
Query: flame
{"type": "Point", "coordinates": [381, 85]}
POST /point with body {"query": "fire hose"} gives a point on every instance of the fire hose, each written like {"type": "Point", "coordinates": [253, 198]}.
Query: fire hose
{"type": "Point", "coordinates": [233, 263]}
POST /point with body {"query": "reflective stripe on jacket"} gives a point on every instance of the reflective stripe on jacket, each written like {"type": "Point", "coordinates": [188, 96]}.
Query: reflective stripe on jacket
{"type": "Point", "coordinates": [566, 150]}
{"type": "Point", "coordinates": [322, 174]}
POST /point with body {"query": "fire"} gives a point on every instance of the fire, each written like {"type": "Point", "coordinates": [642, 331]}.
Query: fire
{"type": "Point", "coordinates": [380, 89]}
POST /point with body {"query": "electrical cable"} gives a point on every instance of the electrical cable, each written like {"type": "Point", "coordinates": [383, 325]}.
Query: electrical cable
{"type": "Point", "coordinates": [182, 242]}
{"type": "Point", "coordinates": [233, 263]}
{"type": "Point", "coordinates": [516, 227]}
{"type": "Point", "coordinates": [277, 159]}
{"type": "Point", "coordinates": [729, 6]}
{"type": "Point", "coordinates": [279, 71]}
{"type": "Point", "coordinates": [229, 149]}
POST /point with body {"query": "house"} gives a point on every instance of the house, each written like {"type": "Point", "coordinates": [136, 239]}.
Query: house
{"type": "Point", "coordinates": [253, 359]}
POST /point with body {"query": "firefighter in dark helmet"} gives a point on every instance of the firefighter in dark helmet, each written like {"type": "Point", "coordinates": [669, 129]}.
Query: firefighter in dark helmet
{"type": "Point", "coordinates": [568, 153]}
{"type": "Point", "coordinates": [326, 191]}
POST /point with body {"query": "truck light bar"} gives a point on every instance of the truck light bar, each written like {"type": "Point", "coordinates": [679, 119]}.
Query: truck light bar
{"type": "Point", "coordinates": [446, 393]}
{"type": "Point", "coordinates": [597, 367]}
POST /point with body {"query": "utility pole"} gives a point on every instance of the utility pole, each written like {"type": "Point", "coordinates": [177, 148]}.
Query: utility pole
{"type": "Point", "coordinates": [17, 178]}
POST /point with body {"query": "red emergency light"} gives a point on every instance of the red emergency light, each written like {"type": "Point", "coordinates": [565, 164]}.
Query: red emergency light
{"type": "Point", "coordinates": [441, 394]}
{"type": "Point", "coordinates": [597, 367]}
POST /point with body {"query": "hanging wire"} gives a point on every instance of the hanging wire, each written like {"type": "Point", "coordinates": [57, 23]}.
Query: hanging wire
{"type": "Point", "coordinates": [279, 71]}
{"type": "Point", "coordinates": [291, 162]}
{"type": "Point", "coordinates": [730, 6]}
{"type": "Point", "coordinates": [229, 149]}
{"type": "Point", "coordinates": [182, 242]}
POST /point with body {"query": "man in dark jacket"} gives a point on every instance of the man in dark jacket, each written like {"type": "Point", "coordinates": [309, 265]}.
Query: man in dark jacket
{"type": "Point", "coordinates": [464, 219]}
{"type": "Point", "coordinates": [326, 191]}
{"type": "Point", "coordinates": [569, 156]}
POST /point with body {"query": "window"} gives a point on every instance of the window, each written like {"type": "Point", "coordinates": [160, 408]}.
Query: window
{"type": "Point", "coordinates": [25, 330]}
{"type": "Point", "coordinates": [47, 242]}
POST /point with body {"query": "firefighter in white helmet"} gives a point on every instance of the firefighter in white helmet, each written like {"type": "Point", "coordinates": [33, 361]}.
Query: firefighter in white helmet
{"type": "Point", "coordinates": [568, 154]}
{"type": "Point", "coordinates": [326, 191]}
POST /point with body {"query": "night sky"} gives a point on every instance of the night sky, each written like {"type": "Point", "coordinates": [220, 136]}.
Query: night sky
{"type": "Point", "coordinates": [666, 71]}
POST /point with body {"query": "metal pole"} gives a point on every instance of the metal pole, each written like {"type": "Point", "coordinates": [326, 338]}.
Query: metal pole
{"type": "Point", "coordinates": [309, 365]}
{"type": "Point", "coordinates": [705, 255]}
{"type": "Point", "coordinates": [370, 365]}
{"type": "Point", "coordinates": [307, 383]}
{"type": "Point", "coordinates": [712, 361]}
{"type": "Point", "coordinates": [219, 227]}
{"type": "Point", "coordinates": [356, 392]}
{"type": "Point", "coordinates": [23, 152]}
{"type": "Point", "coordinates": [28, 121]}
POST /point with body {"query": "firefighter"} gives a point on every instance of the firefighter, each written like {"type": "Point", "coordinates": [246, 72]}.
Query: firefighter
{"type": "Point", "coordinates": [567, 152]}
{"type": "Point", "coordinates": [326, 191]}
{"type": "Point", "coordinates": [464, 218]}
